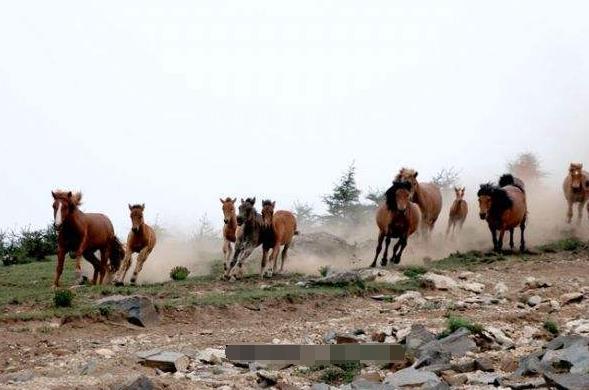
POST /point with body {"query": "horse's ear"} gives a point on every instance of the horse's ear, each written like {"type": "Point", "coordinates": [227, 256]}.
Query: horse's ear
{"type": "Point", "coordinates": [222, 201]}
{"type": "Point", "coordinates": [142, 206]}
{"type": "Point", "coordinates": [69, 194]}
{"type": "Point", "coordinates": [130, 207]}
{"type": "Point", "coordinates": [415, 176]}
{"type": "Point", "coordinates": [242, 201]}
{"type": "Point", "coordinates": [234, 200]}
{"type": "Point", "coordinates": [254, 201]}
{"type": "Point", "coordinates": [274, 204]}
{"type": "Point", "coordinates": [53, 194]}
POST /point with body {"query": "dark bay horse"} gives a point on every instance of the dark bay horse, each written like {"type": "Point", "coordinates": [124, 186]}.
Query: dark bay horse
{"type": "Point", "coordinates": [504, 209]}
{"type": "Point", "coordinates": [84, 234]}
{"type": "Point", "coordinates": [251, 236]}
{"type": "Point", "coordinates": [427, 196]}
{"type": "Point", "coordinates": [458, 211]}
{"type": "Point", "coordinates": [141, 240]}
{"type": "Point", "coordinates": [398, 218]}
{"type": "Point", "coordinates": [576, 190]}
{"type": "Point", "coordinates": [280, 228]}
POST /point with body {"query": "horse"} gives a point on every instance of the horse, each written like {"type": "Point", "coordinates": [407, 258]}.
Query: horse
{"type": "Point", "coordinates": [504, 209]}
{"type": "Point", "coordinates": [281, 227]}
{"type": "Point", "coordinates": [576, 190]}
{"type": "Point", "coordinates": [84, 234]}
{"type": "Point", "coordinates": [398, 218]}
{"type": "Point", "coordinates": [229, 229]}
{"type": "Point", "coordinates": [509, 180]}
{"type": "Point", "coordinates": [427, 196]}
{"type": "Point", "coordinates": [251, 236]}
{"type": "Point", "coordinates": [458, 211]}
{"type": "Point", "coordinates": [141, 240]}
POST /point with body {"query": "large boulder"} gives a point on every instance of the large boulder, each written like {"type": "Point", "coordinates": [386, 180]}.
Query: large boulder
{"type": "Point", "coordinates": [412, 378]}
{"type": "Point", "coordinates": [439, 282]}
{"type": "Point", "coordinates": [137, 309]}
{"type": "Point", "coordinates": [439, 352]}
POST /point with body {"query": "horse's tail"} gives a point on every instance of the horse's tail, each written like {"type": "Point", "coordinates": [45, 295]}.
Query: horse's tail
{"type": "Point", "coordinates": [296, 232]}
{"type": "Point", "coordinates": [117, 254]}
{"type": "Point", "coordinates": [509, 180]}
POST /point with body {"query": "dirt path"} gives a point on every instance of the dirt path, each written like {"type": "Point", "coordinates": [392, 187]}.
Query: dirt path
{"type": "Point", "coordinates": [57, 353]}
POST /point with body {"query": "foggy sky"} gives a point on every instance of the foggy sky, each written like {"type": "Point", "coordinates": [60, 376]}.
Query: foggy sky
{"type": "Point", "coordinates": [175, 104]}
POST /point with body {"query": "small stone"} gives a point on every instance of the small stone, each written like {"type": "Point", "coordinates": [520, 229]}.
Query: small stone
{"type": "Point", "coordinates": [139, 383]}
{"type": "Point", "coordinates": [105, 353]}
{"type": "Point", "coordinates": [266, 378]}
{"type": "Point", "coordinates": [484, 364]}
{"type": "Point", "coordinates": [165, 361]}
{"type": "Point", "coordinates": [508, 363]}
{"type": "Point", "coordinates": [501, 290]}
{"type": "Point", "coordinates": [89, 368]}
{"type": "Point", "coordinates": [464, 275]}
{"type": "Point", "coordinates": [379, 337]}
{"type": "Point", "coordinates": [569, 298]}
{"type": "Point", "coordinates": [439, 282]}
{"type": "Point", "coordinates": [534, 300]}
{"type": "Point", "coordinates": [473, 287]}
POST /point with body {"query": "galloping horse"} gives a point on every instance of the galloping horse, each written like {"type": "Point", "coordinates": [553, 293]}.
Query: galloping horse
{"type": "Point", "coordinates": [229, 229]}
{"type": "Point", "coordinates": [458, 211]}
{"type": "Point", "coordinates": [251, 237]}
{"type": "Point", "coordinates": [84, 234]}
{"type": "Point", "coordinates": [427, 196]}
{"type": "Point", "coordinates": [141, 239]}
{"type": "Point", "coordinates": [504, 208]}
{"type": "Point", "coordinates": [576, 190]}
{"type": "Point", "coordinates": [280, 227]}
{"type": "Point", "coordinates": [398, 218]}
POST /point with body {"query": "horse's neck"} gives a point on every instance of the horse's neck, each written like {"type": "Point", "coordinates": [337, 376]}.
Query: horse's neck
{"type": "Point", "coordinates": [75, 219]}
{"type": "Point", "coordinates": [232, 224]}
{"type": "Point", "coordinates": [419, 199]}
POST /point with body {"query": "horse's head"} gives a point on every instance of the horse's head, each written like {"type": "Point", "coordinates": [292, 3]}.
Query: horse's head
{"type": "Point", "coordinates": [228, 209]}
{"type": "Point", "coordinates": [63, 204]}
{"type": "Point", "coordinates": [576, 174]}
{"type": "Point", "coordinates": [408, 175]}
{"type": "Point", "coordinates": [246, 210]}
{"type": "Point", "coordinates": [136, 216]}
{"type": "Point", "coordinates": [485, 195]}
{"type": "Point", "coordinates": [267, 212]}
{"type": "Point", "coordinates": [459, 191]}
{"type": "Point", "coordinates": [399, 196]}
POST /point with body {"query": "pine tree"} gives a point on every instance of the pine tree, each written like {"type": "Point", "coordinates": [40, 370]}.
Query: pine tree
{"type": "Point", "coordinates": [344, 200]}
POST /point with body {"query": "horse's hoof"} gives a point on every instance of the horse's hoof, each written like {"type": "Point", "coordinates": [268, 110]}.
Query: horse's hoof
{"type": "Point", "coordinates": [119, 284]}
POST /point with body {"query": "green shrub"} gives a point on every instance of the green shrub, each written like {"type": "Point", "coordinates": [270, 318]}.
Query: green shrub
{"type": "Point", "coordinates": [414, 272]}
{"type": "Point", "coordinates": [323, 270]}
{"type": "Point", "coordinates": [551, 327]}
{"type": "Point", "coordinates": [454, 323]}
{"type": "Point", "coordinates": [343, 372]}
{"type": "Point", "coordinates": [179, 273]}
{"type": "Point", "coordinates": [63, 298]}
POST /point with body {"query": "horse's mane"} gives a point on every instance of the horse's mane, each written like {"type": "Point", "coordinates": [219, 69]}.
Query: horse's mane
{"type": "Point", "coordinates": [509, 180]}
{"type": "Point", "coordinates": [251, 201]}
{"type": "Point", "coordinates": [390, 194]}
{"type": "Point", "coordinates": [228, 199]}
{"type": "Point", "coordinates": [75, 200]}
{"type": "Point", "coordinates": [266, 202]}
{"type": "Point", "coordinates": [404, 173]}
{"type": "Point", "coordinates": [137, 206]}
{"type": "Point", "coordinates": [499, 197]}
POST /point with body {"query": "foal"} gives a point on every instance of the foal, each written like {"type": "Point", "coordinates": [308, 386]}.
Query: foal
{"type": "Point", "coordinates": [576, 190]}
{"type": "Point", "coordinates": [249, 237]}
{"type": "Point", "coordinates": [280, 227]}
{"type": "Point", "coordinates": [141, 239]}
{"type": "Point", "coordinates": [458, 211]}
{"type": "Point", "coordinates": [229, 229]}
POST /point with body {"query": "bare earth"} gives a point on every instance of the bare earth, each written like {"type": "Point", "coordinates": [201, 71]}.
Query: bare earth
{"type": "Point", "coordinates": [55, 353]}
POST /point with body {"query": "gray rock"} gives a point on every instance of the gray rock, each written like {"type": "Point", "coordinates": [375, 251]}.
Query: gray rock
{"type": "Point", "coordinates": [521, 383]}
{"type": "Point", "coordinates": [534, 300]}
{"type": "Point", "coordinates": [89, 368]}
{"type": "Point", "coordinates": [137, 309]}
{"type": "Point", "coordinates": [498, 335]}
{"type": "Point", "coordinates": [530, 365]}
{"type": "Point", "coordinates": [561, 342]}
{"type": "Point", "coordinates": [139, 383]}
{"type": "Point", "coordinates": [484, 364]}
{"type": "Point", "coordinates": [575, 297]}
{"type": "Point", "coordinates": [320, 386]}
{"type": "Point", "coordinates": [568, 381]}
{"type": "Point", "coordinates": [363, 384]}
{"type": "Point", "coordinates": [164, 360]}
{"type": "Point", "coordinates": [575, 356]}
{"type": "Point", "coordinates": [482, 378]}
{"type": "Point", "coordinates": [17, 377]}
{"type": "Point", "coordinates": [417, 337]}
{"type": "Point", "coordinates": [329, 337]}
{"type": "Point", "coordinates": [439, 282]}
{"type": "Point", "coordinates": [412, 377]}
{"type": "Point", "coordinates": [266, 378]}
{"type": "Point", "coordinates": [211, 356]}
{"type": "Point", "coordinates": [456, 345]}
{"type": "Point", "coordinates": [473, 287]}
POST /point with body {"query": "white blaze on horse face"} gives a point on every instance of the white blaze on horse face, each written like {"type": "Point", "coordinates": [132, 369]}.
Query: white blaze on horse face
{"type": "Point", "coordinates": [58, 217]}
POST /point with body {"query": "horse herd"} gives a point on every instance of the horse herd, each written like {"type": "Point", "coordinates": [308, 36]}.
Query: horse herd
{"type": "Point", "coordinates": [409, 206]}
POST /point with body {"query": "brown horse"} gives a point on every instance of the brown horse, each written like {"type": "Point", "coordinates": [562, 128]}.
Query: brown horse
{"type": "Point", "coordinates": [251, 236]}
{"type": "Point", "coordinates": [458, 211]}
{"type": "Point", "coordinates": [398, 218]}
{"type": "Point", "coordinates": [84, 234]}
{"type": "Point", "coordinates": [281, 227]}
{"type": "Point", "coordinates": [427, 196]}
{"type": "Point", "coordinates": [504, 209]}
{"type": "Point", "coordinates": [141, 239]}
{"type": "Point", "coordinates": [576, 190]}
{"type": "Point", "coordinates": [229, 229]}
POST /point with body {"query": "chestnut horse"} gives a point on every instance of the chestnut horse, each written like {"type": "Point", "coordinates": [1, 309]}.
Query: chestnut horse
{"type": "Point", "coordinates": [141, 239]}
{"type": "Point", "coordinates": [458, 211]}
{"type": "Point", "coordinates": [229, 229]}
{"type": "Point", "coordinates": [251, 236]}
{"type": "Point", "coordinates": [398, 218]}
{"type": "Point", "coordinates": [84, 234]}
{"type": "Point", "coordinates": [281, 227]}
{"type": "Point", "coordinates": [576, 190]}
{"type": "Point", "coordinates": [427, 196]}
{"type": "Point", "coordinates": [504, 209]}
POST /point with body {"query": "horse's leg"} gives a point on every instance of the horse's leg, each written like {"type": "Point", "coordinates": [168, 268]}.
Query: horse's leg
{"type": "Point", "coordinates": [511, 244]}
{"type": "Point", "coordinates": [500, 242]}
{"type": "Point", "coordinates": [569, 211]}
{"type": "Point", "coordinates": [403, 243]}
{"type": "Point", "coordinates": [274, 258]}
{"type": "Point", "coordinates": [92, 259]}
{"type": "Point", "coordinates": [448, 228]}
{"type": "Point", "coordinates": [59, 267]}
{"type": "Point", "coordinates": [140, 261]}
{"type": "Point", "coordinates": [104, 256]}
{"type": "Point", "coordinates": [522, 246]}
{"type": "Point", "coordinates": [238, 250]}
{"type": "Point", "coordinates": [378, 248]}
{"type": "Point", "coordinates": [384, 260]}
{"type": "Point", "coordinates": [580, 212]}
{"type": "Point", "coordinates": [226, 251]}
{"type": "Point", "coordinates": [264, 262]}
{"type": "Point", "coordinates": [494, 236]}
{"type": "Point", "coordinates": [395, 249]}
{"type": "Point", "coordinates": [120, 277]}
{"type": "Point", "coordinates": [284, 256]}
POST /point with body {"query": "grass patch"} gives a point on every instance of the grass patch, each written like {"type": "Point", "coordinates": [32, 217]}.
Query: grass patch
{"type": "Point", "coordinates": [338, 373]}
{"type": "Point", "coordinates": [179, 273]}
{"type": "Point", "coordinates": [570, 244]}
{"type": "Point", "coordinates": [323, 270]}
{"type": "Point", "coordinates": [414, 272]}
{"type": "Point", "coordinates": [467, 259]}
{"type": "Point", "coordinates": [455, 322]}
{"type": "Point", "coordinates": [551, 327]}
{"type": "Point", "coordinates": [63, 298]}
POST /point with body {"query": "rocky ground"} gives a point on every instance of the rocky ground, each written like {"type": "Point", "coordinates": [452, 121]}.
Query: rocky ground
{"type": "Point", "coordinates": [511, 324]}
